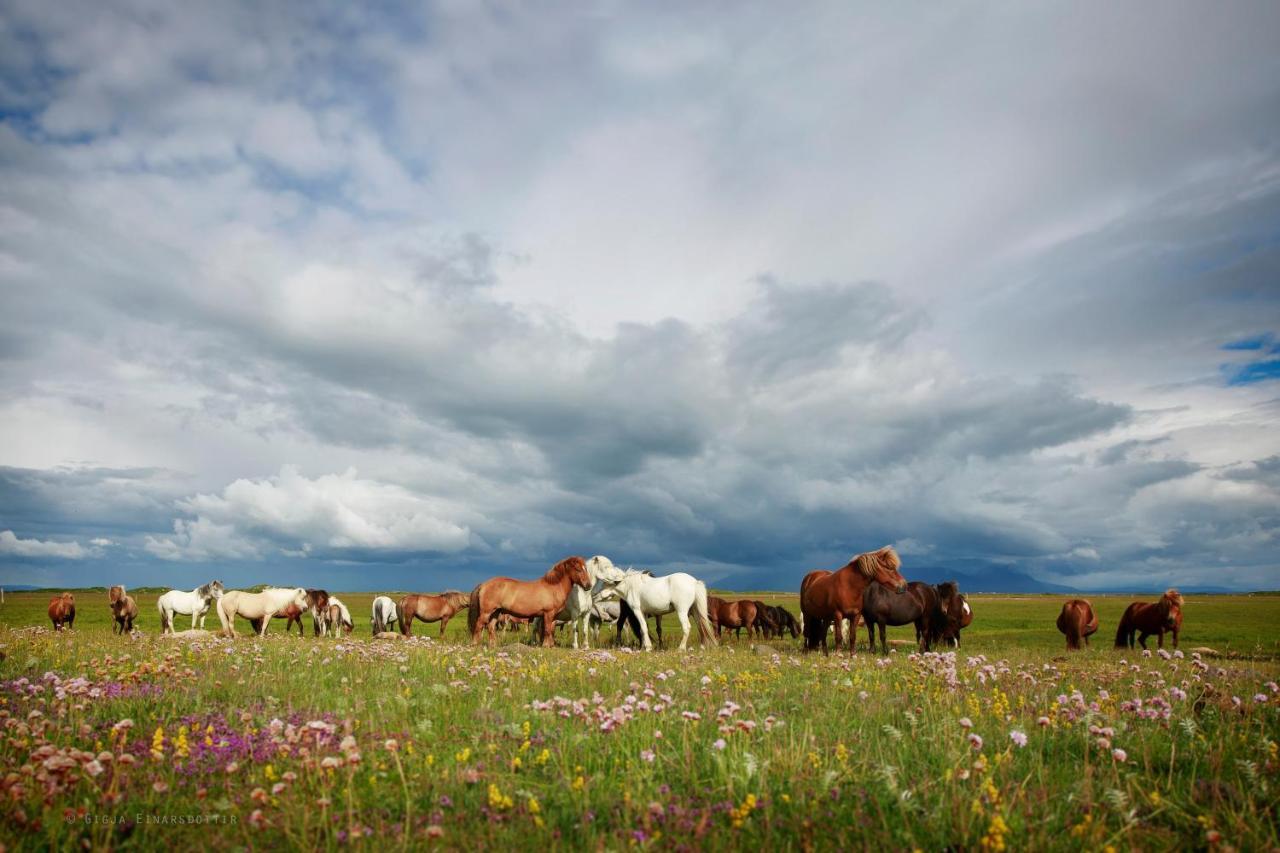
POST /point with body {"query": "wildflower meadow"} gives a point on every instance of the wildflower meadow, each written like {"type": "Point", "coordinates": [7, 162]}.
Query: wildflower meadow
{"type": "Point", "coordinates": [1007, 743]}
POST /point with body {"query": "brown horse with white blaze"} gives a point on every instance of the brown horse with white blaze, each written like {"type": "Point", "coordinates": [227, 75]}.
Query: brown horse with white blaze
{"type": "Point", "coordinates": [62, 611]}
{"type": "Point", "coordinates": [123, 609]}
{"type": "Point", "coordinates": [1145, 619]}
{"type": "Point", "coordinates": [1077, 622]}
{"type": "Point", "coordinates": [431, 608]}
{"type": "Point", "coordinates": [526, 599]}
{"type": "Point", "coordinates": [827, 597]}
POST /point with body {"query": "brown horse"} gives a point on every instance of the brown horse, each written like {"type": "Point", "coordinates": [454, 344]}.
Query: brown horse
{"type": "Point", "coordinates": [944, 612]}
{"type": "Point", "coordinates": [1146, 619]}
{"type": "Point", "coordinates": [827, 597]}
{"type": "Point", "coordinates": [785, 621]}
{"type": "Point", "coordinates": [732, 614]}
{"type": "Point", "coordinates": [62, 611]}
{"type": "Point", "coordinates": [318, 607]}
{"type": "Point", "coordinates": [1077, 621]}
{"type": "Point", "coordinates": [292, 613]}
{"type": "Point", "coordinates": [430, 608]}
{"type": "Point", "coordinates": [124, 609]}
{"type": "Point", "coordinates": [526, 599]}
{"type": "Point", "coordinates": [766, 622]}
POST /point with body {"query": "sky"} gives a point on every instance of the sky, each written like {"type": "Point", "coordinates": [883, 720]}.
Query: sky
{"type": "Point", "coordinates": [382, 297]}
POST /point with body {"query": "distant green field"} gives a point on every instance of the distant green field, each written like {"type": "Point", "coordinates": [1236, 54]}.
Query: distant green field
{"type": "Point", "coordinates": [1010, 744]}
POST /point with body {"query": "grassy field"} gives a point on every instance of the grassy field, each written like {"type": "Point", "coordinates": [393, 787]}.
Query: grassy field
{"type": "Point", "coordinates": [1008, 744]}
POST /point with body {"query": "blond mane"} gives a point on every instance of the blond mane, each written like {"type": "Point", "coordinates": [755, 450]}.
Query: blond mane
{"type": "Point", "coordinates": [870, 563]}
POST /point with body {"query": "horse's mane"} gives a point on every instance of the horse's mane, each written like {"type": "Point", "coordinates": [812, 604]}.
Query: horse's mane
{"type": "Point", "coordinates": [869, 564]}
{"type": "Point", "coordinates": [1171, 599]}
{"type": "Point", "coordinates": [455, 596]}
{"type": "Point", "coordinates": [557, 572]}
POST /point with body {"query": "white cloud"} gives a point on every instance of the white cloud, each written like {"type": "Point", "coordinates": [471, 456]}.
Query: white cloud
{"type": "Point", "coordinates": [333, 513]}
{"type": "Point", "coordinates": [13, 546]}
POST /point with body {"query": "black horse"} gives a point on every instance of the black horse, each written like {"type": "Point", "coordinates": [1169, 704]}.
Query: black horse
{"type": "Point", "coordinates": [785, 621]}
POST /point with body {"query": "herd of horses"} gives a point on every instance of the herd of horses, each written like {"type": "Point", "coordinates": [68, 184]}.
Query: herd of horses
{"type": "Point", "coordinates": [588, 594]}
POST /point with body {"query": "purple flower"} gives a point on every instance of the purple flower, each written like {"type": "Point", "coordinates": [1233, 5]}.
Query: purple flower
{"type": "Point", "coordinates": [1019, 738]}
{"type": "Point", "coordinates": [647, 755]}
{"type": "Point", "coordinates": [719, 743]}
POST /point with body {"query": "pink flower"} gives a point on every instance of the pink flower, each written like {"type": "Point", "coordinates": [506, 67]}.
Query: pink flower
{"type": "Point", "coordinates": [719, 743]}
{"type": "Point", "coordinates": [257, 819]}
{"type": "Point", "coordinates": [966, 723]}
{"type": "Point", "coordinates": [691, 715]}
{"type": "Point", "coordinates": [1119, 755]}
{"type": "Point", "coordinates": [647, 755]}
{"type": "Point", "coordinates": [975, 740]}
{"type": "Point", "coordinates": [1042, 722]}
{"type": "Point", "coordinates": [1019, 738]}
{"type": "Point", "coordinates": [160, 787]}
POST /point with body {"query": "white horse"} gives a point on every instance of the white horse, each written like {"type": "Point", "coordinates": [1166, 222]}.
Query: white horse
{"type": "Point", "coordinates": [339, 617]}
{"type": "Point", "coordinates": [578, 605]}
{"type": "Point", "coordinates": [385, 614]}
{"type": "Point", "coordinates": [194, 604]}
{"type": "Point", "coordinates": [678, 593]}
{"type": "Point", "coordinates": [258, 605]}
{"type": "Point", "coordinates": [604, 612]}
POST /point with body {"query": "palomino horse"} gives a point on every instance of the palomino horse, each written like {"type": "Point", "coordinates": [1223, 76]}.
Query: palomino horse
{"type": "Point", "coordinates": [124, 609]}
{"type": "Point", "coordinates": [194, 604]}
{"type": "Point", "coordinates": [338, 617]}
{"type": "Point", "coordinates": [526, 599]}
{"type": "Point", "coordinates": [1147, 619]}
{"type": "Point", "coordinates": [827, 597]}
{"type": "Point", "coordinates": [384, 614]}
{"type": "Point", "coordinates": [62, 611]}
{"type": "Point", "coordinates": [732, 614]}
{"type": "Point", "coordinates": [431, 608]}
{"type": "Point", "coordinates": [645, 595]}
{"type": "Point", "coordinates": [258, 605]}
{"type": "Point", "coordinates": [1077, 621]}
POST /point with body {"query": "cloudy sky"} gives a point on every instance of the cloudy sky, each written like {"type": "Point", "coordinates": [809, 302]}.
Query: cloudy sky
{"type": "Point", "coordinates": [399, 298]}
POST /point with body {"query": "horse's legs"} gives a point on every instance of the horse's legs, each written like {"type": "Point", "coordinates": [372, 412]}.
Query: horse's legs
{"type": "Point", "coordinates": [884, 644]}
{"type": "Point", "coordinates": [1160, 639]}
{"type": "Point", "coordinates": [839, 630]}
{"type": "Point", "coordinates": [1142, 639]}
{"type": "Point", "coordinates": [1174, 631]}
{"type": "Point", "coordinates": [548, 628]}
{"type": "Point", "coordinates": [684, 626]}
{"type": "Point", "coordinates": [444, 623]}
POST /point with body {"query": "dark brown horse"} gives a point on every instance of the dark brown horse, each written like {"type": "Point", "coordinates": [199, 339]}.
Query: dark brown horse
{"type": "Point", "coordinates": [526, 599]}
{"type": "Point", "coordinates": [124, 609]}
{"type": "Point", "coordinates": [882, 607]}
{"type": "Point", "coordinates": [827, 597]}
{"type": "Point", "coordinates": [1146, 619]}
{"type": "Point", "coordinates": [1078, 622]}
{"type": "Point", "coordinates": [766, 622]}
{"type": "Point", "coordinates": [731, 614]}
{"type": "Point", "coordinates": [318, 607]}
{"type": "Point", "coordinates": [431, 608]}
{"type": "Point", "coordinates": [62, 611]}
{"type": "Point", "coordinates": [785, 621]}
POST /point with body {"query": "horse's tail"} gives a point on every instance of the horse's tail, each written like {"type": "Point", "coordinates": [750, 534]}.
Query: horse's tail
{"type": "Point", "coordinates": [227, 619]}
{"type": "Point", "coordinates": [473, 611]}
{"type": "Point", "coordinates": [1123, 630]}
{"type": "Point", "coordinates": [164, 623]}
{"type": "Point", "coordinates": [628, 616]}
{"type": "Point", "coordinates": [705, 634]}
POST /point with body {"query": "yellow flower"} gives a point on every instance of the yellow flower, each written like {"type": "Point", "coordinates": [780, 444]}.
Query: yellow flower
{"type": "Point", "coordinates": [578, 783]}
{"type": "Point", "coordinates": [544, 756]}
{"type": "Point", "coordinates": [157, 743]}
{"type": "Point", "coordinates": [462, 755]}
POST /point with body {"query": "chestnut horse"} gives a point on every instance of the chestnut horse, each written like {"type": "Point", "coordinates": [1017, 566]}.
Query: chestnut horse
{"type": "Point", "coordinates": [1146, 619]}
{"type": "Point", "coordinates": [124, 609]}
{"type": "Point", "coordinates": [1077, 621]}
{"type": "Point", "coordinates": [944, 612]}
{"type": "Point", "coordinates": [526, 599]}
{"type": "Point", "coordinates": [430, 608]}
{"type": "Point", "coordinates": [62, 611]}
{"type": "Point", "coordinates": [827, 597]}
{"type": "Point", "coordinates": [732, 614]}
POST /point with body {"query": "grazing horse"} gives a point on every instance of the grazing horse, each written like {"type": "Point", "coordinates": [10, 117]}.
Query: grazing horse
{"type": "Point", "coordinates": [384, 614]}
{"type": "Point", "coordinates": [62, 611]}
{"type": "Point", "coordinates": [338, 617]}
{"type": "Point", "coordinates": [194, 604]}
{"type": "Point", "coordinates": [430, 608]}
{"type": "Point", "coordinates": [645, 595]}
{"type": "Point", "coordinates": [1077, 621]}
{"type": "Point", "coordinates": [766, 622]}
{"type": "Point", "coordinates": [258, 606]}
{"type": "Point", "coordinates": [1147, 619]}
{"type": "Point", "coordinates": [526, 599]}
{"type": "Point", "coordinates": [318, 606]}
{"type": "Point", "coordinates": [785, 621]}
{"type": "Point", "coordinates": [732, 615]}
{"type": "Point", "coordinates": [943, 614]}
{"type": "Point", "coordinates": [827, 597]}
{"type": "Point", "coordinates": [124, 609]}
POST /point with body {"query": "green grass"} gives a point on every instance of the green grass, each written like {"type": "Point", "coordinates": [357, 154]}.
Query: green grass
{"type": "Point", "coordinates": [843, 752]}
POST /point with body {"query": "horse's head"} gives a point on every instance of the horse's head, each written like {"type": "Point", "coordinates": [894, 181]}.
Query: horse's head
{"type": "Point", "coordinates": [68, 598]}
{"type": "Point", "coordinates": [1171, 603]}
{"type": "Point", "coordinates": [882, 567]}
{"type": "Point", "coordinates": [115, 594]}
{"type": "Point", "coordinates": [318, 598]}
{"type": "Point", "coordinates": [299, 599]}
{"type": "Point", "coordinates": [576, 569]}
{"type": "Point", "coordinates": [604, 571]}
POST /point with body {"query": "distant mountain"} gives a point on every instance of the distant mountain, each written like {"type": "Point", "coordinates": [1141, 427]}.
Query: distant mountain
{"type": "Point", "coordinates": [18, 587]}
